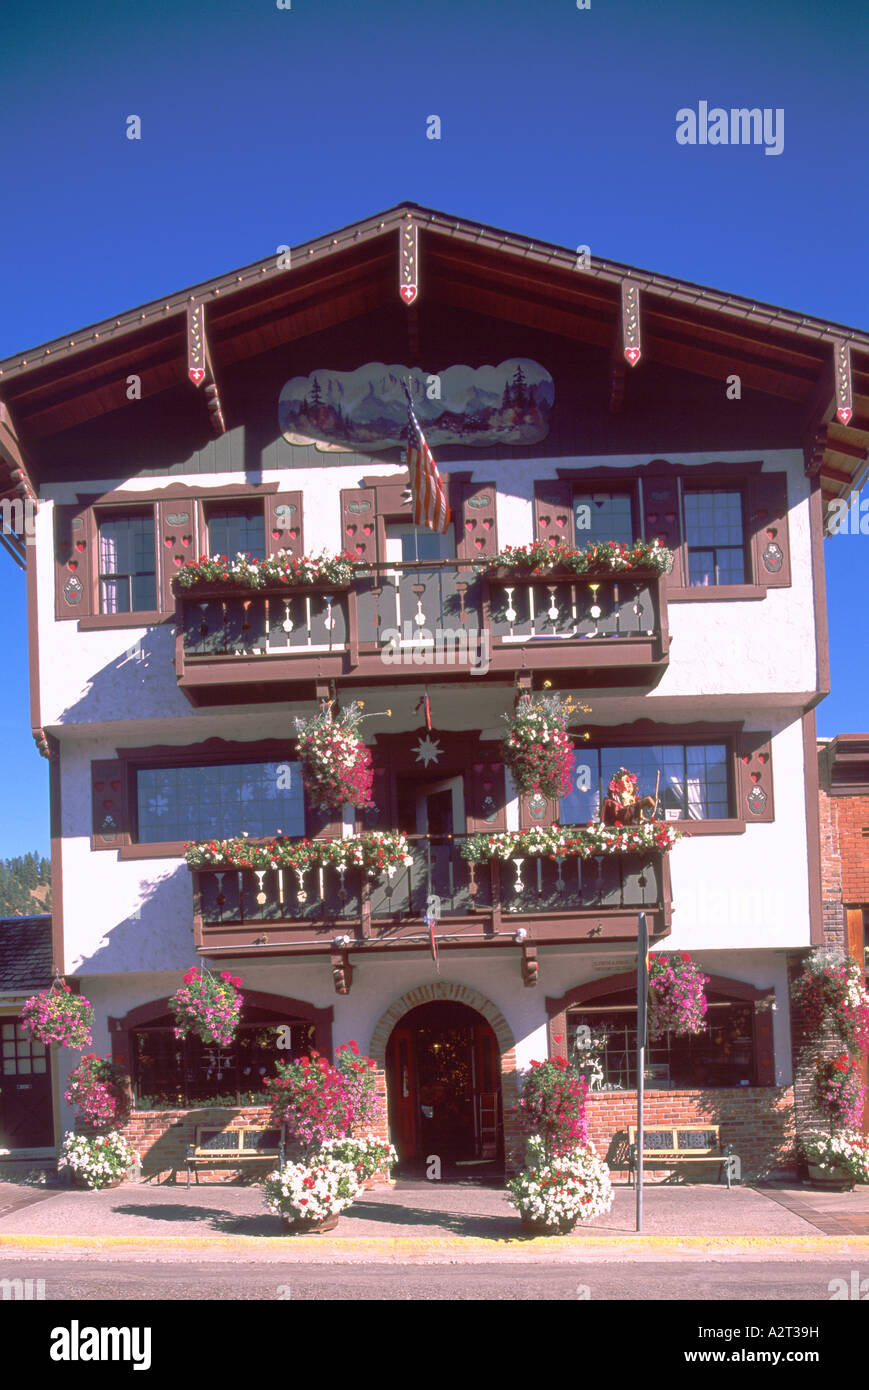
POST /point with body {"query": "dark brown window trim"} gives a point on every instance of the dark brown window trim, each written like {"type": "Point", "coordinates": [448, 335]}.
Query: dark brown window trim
{"type": "Point", "coordinates": [149, 618]}
{"type": "Point", "coordinates": [645, 731]}
{"type": "Point", "coordinates": [722, 593]}
{"type": "Point", "coordinates": [158, 849]}
{"type": "Point", "coordinates": [116, 499]}
{"type": "Point", "coordinates": [663, 467]}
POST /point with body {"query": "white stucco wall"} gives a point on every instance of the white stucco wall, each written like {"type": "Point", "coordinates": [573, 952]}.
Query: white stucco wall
{"type": "Point", "coordinates": [717, 648]}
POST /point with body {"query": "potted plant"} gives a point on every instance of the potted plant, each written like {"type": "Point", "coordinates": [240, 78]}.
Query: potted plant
{"type": "Point", "coordinates": [552, 1106]}
{"type": "Point", "coordinates": [316, 1100]}
{"type": "Point", "coordinates": [677, 997]}
{"type": "Point", "coordinates": [208, 1007]}
{"type": "Point", "coordinates": [103, 1160]}
{"type": "Point", "coordinates": [837, 1159]}
{"type": "Point", "coordinates": [282, 571]}
{"type": "Point", "coordinates": [56, 1015]}
{"type": "Point", "coordinates": [100, 1091]}
{"type": "Point", "coordinates": [838, 1091]}
{"type": "Point", "coordinates": [832, 996]}
{"type": "Point", "coordinates": [336, 765]}
{"type": "Point", "coordinates": [554, 1192]}
{"type": "Point", "coordinates": [309, 1196]}
{"type": "Point", "coordinates": [368, 1156]}
{"type": "Point", "coordinates": [551, 558]}
{"type": "Point", "coordinates": [572, 841]}
{"type": "Point", "coordinates": [537, 748]}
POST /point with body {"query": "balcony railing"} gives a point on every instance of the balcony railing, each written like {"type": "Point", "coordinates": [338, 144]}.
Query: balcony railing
{"type": "Point", "coordinates": [396, 617]}
{"type": "Point", "coordinates": [572, 899]}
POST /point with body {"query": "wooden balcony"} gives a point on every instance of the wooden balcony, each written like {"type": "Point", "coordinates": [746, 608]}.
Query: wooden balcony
{"type": "Point", "coordinates": [272, 912]}
{"type": "Point", "coordinates": [395, 621]}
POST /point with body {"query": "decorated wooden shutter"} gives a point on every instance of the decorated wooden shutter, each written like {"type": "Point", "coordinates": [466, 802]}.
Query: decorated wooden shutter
{"type": "Point", "coordinates": [485, 791]}
{"type": "Point", "coordinates": [768, 523]}
{"type": "Point", "coordinates": [553, 511]}
{"type": "Point", "coordinates": [284, 528]}
{"type": "Point", "coordinates": [176, 543]}
{"type": "Point", "coordinates": [754, 789]}
{"type": "Point", "coordinates": [74, 568]}
{"type": "Point", "coordinates": [476, 521]}
{"type": "Point", "coordinates": [359, 522]}
{"type": "Point", "coordinates": [111, 823]}
{"type": "Point", "coordinates": [661, 519]}
{"type": "Point", "coordinates": [538, 810]}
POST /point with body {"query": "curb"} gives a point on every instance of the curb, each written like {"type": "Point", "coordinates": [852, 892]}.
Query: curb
{"type": "Point", "coordinates": [411, 1245]}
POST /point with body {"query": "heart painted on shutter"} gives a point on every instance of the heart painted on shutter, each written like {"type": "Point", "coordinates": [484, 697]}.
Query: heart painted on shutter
{"type": "Point", "coordinates": [98, 786]}
{"type": "Point", "coordinates": [652, 517]}
{"type": "Point", "coordinates": [107, 805]}
{"type": "Point", "coordinates": [772, 533]}
{"type": "Point", "coordinates": [294, 535]}
{"type": "Point", "coordinates": [470, 525]}
{"type": "Point", "coordinates": [360, 550]}
{"type": "Point", "coordinates": [276, 535]}
{"type": "Point", "coordinates": [479, 542]}
{"type": "Point", "coordinates": [178, 559]}
{"type": "Point", "coordinates": [544, 520]}
{"type": "Point", "coordinates": [186, 540]}
{"type": "Point", "coordinates": [351, 530]}
{"type": "Point", "coordinates": [487, 523]}
{"type": "Point", "coordinates": [72, 564]}
{"type": "Point", "coordinates": [79, 545]}
{"type": "Point", "coordinates": [561, 521]}
{"type": "Point", "coordinates": [368, 530]}
{"type": "Point", "coordinates": [168, 540]}
{"type": "Point", "coordinates": [115, 786]}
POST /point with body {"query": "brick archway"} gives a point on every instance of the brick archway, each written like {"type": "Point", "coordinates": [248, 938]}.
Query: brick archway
{"type": "Point", "coordinates": [439, 990]}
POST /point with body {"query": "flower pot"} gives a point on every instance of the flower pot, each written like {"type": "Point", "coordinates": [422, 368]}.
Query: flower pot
{"type": "Point", "coordinates": [832, 1178]}
{"type": "Point", "coordinates": [294, 1226]}
{"type": "Point", "coordinates": [78, 1180]}
{"type": "Point", "coordinates": [542, 1228]}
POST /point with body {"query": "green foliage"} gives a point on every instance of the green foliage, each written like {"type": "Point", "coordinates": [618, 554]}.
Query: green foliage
{"type": "Point", "coordinates": [19, 877]}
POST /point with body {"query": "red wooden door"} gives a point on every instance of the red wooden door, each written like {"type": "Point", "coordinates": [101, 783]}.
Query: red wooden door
{"type": "Point", "coordinates": [25, 1090]}
{"type": "Point", "coordinates": [402, 1092]}
{"type": "Point", "coordinates": [487, 1091]}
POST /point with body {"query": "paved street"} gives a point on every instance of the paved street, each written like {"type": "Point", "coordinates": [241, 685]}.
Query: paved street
{"type": "Point", "coordinates": [755, 1281]}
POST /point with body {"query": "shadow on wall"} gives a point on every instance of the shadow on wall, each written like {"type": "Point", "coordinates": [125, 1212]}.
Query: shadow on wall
{"type": "Point", "coordinates": [157, 936]}
{"type": "Point", "coordinates": [138, 684]}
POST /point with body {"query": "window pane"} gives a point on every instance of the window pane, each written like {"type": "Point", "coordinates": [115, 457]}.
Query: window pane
{"type": "Point", "coordinates": [603, 516]}
{"type": "Point", "coordinates": [722, 1055]}
{"type": "Point", "coordinates": [406, 542]}
{"type": "Point", "coordinates": [219, 801]}
{"type": "Point", "coordinates": [691, 780]}
{"type": "Point", "coordinates": [237, 529]}
{"type": "Point", "coordinates": [127, 565]}
{"type": "Point", "coordinates": [714, 536]}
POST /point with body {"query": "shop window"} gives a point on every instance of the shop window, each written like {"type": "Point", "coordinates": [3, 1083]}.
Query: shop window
{"type": "Point", "coordinates": [219, 800]}
{"type": "Point", "coordinates": [170, 1071]}
{"type": "Point", "coordinates": [691, 779]}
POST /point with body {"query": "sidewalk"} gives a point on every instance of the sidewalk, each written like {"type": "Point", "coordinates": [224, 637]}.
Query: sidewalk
{"type": "Point", "coordinates": [422, 1219]}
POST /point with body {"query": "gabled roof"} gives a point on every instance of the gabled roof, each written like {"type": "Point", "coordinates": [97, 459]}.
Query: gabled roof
{"type": "Point", "coordinates": [820, 366]}
{"type": "Point", "coordinates": [25, 953]}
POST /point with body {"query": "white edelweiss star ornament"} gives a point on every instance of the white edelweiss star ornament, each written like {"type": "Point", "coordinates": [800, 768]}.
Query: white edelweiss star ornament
{"type": "Point", "coordinates": [428, 750]}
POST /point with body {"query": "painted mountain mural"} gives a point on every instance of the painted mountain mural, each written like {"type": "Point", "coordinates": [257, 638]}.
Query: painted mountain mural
{"type": "Point", "coordinates": [366, 410]}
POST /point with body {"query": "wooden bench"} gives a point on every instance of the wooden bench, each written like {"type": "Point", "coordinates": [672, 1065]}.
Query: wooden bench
{"type": "Point", "coordinates": [668, 1145]}
{"type": "Point", "coordinates": [235, 1144]}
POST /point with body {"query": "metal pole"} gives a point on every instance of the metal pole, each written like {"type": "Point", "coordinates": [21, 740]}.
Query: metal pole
{"type": "Point", "coordinates": [642, 997]}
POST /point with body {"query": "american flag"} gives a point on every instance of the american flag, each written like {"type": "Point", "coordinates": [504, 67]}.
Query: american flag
{"type": "Point", "coordinates": [430, 504]}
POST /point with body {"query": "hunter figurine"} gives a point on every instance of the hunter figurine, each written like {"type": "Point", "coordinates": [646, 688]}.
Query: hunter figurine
{"type": "Point", "coordinates": [622, 806]}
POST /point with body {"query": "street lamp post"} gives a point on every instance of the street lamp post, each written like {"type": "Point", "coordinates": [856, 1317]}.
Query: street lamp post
{"type": "Point", "coordinates": [642, 1000]}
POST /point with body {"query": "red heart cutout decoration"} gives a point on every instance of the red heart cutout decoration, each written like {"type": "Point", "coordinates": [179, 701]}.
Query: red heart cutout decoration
{"type": "Point", "coordinates": [72, 564]}
{"type": "Point", "coordinates": [98, 786]}
{"type": "Point", "coordinates": [351, 530]}
{"type": "Point", "coordinates": [487, 523]}
{"type": "Point", "coordinates": [116, 786]}
{"type": "Point", "coordinates": [79, 545]}
{"type": "Point", "coordinates": [276, 535]}
{"type": "Point", "coordinates": [178, 559]}
{"type": "Point", "coordinates": [633, 355]}
{"type": "Point", "coordinates": [185, 540]}
{"type": "Point", "coordinates": [479, 542]}
{"type": "Point", "coordinates": [470, 525]}
{"type": "Point", "coordinates": [294, 535]}
{"type": "Point", "coordinates": [168, 540]}
{"type": "Point", "coordinates": [408, 293]}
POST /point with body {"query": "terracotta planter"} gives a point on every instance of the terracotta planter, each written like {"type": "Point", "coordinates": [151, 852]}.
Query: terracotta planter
{"type": "Point", "coordinates": [80, 1182]}
{"type": "Point", "coordinates": [833, 1179]}
{"type": "Point", "coordinates": [561, 575]}
{"type": "Point", "coordinates": [224, 588]}
{"type": "Point", "coordinates": [310, 1228]}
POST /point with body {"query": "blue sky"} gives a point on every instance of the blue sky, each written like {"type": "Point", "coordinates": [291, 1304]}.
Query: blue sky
{"type": "Point", "coordinates": [263, 127]}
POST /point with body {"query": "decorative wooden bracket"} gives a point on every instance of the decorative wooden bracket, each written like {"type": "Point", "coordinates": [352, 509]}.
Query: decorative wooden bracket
{"type": "Point", "coordinates": [631, 322]}
{"type": "Point", "coordinates": [40, 738]}
{"type": "Point", "coordinates": [530, 965]}
{"type": "Point", "coordinates": [842, 379]}
{"type": "Point", "coordinates": [199, 365]}
{"type": "Point", "coordinates": [12, 454]}
{"type": "Point", "coordinates": [342, 972]}
{"type": "Point", "coordinates": [408, 260]}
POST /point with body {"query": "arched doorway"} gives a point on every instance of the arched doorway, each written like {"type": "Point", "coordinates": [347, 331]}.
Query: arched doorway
{"type": "Point", "coordinates": [443, 1070]}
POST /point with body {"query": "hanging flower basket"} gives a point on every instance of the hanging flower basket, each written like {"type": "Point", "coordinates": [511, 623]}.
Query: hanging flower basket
{"type": "Point", "coordinates": [100, 1091]}
{"type": "Point", "coordinates": [207, 1007]}
{"type": "Point", "coordinates": [677, 998]}
{"type": "Point", "coordinates": [832, 997]}
{"type": "Point", "coordinates": [838, 1091]}
{"type": "Point", "coordinates": [282, 571]}
{"type": "Point", "coordinates": [56, 1015]}
{"type": "Point", "coordinates": [537, 748]}
{"type": "Point", "coordinates": [336, 765]}
{"type": "Point", "coordinates": [599, 557]}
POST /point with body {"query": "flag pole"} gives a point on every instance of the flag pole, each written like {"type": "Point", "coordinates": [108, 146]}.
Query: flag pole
{"type": "Point", "coordinates": [642, 1003]}
{"type": "Point", "coordinates": [408, 391]}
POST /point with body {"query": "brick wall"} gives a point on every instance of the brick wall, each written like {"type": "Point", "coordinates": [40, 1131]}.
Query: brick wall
{"type": "Point", "coordinates": [757, 1120]}
{"type": "Point", "coordinates": [844, 851]}
{"type": "Point", "coordinates": [161, 1138]}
